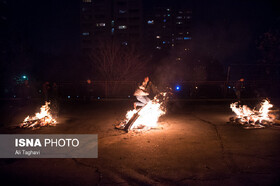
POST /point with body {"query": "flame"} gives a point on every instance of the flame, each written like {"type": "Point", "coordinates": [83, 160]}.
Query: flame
{"type": "Point", "coordinates": [149, 114]}
{"type": "Point", "coordinates": [253, 116]}
{"type": "Point", "coordinates": [264, 110]}
{"type": "Point", "coordinates": [42, 118]}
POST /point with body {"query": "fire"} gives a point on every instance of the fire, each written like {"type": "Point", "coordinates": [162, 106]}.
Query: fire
{"type": "Point", "coordinates": [245, 115]}
{"type": "Point", "coordinates": [148, 114]}
{"type": "Point", "coordinates": [42, 118]}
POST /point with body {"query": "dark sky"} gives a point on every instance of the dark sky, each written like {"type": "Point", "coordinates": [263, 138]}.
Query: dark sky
{"type": "Point", "coordinates": [226, 29]}
{"type": "Point", "coordinates": [50, 27]}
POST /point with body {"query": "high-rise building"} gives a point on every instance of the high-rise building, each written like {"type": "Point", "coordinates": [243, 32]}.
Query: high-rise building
{"type": "Point", "coordinates": [169, 28]}
{"type": "Point", "coordinates": [121, 20]}
{"type": "Point", "coordinates": [127, 23]}
{"type": "Point", "coordinates": [95, 22]}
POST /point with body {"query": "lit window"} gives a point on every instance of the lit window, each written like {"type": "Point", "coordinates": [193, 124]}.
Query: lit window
{"type": "Point", "coordinates": [150, 22]}
{"type": "Point", "coordinates": [178, 59]}
{"type": "Point", "coordinates": [168, 9]}
{"type": "Point", "coordinates": [173, 45]}
{"type": "Point", "coordinates": [112, 30]}
{"type": "Point", "coordinates": [122, 11]}
{"type": "Point", "coordinates": [158, 47]}
{"type": "Point", "coordinates": [168, 15]}
{"type": "Point", "coordinates": [179, 38]}
{"type": "Point", "coordinates": [158, 37]}
{"type": "Point", "coordinates": [122, 27]}
{"type": "Point", "coordinates": [180, 33]}
{"type": "Point", "coordinates": [87, 1]}
{"type": "Point", "coordinates": [179, 23]}
{"type": "Point", "coordinates": [188, 17]}
{"type": "Point", "coordinates": [188, 33]}
{"type": "Point", "coordinates": [163, 42]}
{"type": "Point", "coordinates": [100, 24]}
{"type": "Point", "coordinates": [164, 20]}
{"type": "Point", "coordinates": [179, 17]}
{"type": "Point", "coordinates": [124, 43]}
{"type": "Point", "coordinates": [85, 33]}
{"type": "Point", "coordinates": [187, 38]}
{"type": "Point", "coordinates": [180, 12]}
{"type": "Point", "coordinates": [112, 22]}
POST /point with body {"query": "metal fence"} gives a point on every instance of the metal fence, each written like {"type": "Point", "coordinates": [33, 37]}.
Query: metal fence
{"type": "Point", "coordinates": [226, 89]}
{"type": "Point", "coordinates": [98, 89]}
{"type": "Point", "coordinates": [125, 89]}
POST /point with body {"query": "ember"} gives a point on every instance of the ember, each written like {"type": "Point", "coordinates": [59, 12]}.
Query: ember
{"type": "Point", "coordinates": [42, 118]}
{"type": "Point", "coordinates": [253, 118]}
{"type": "Point", "coordinates": [146, 117]}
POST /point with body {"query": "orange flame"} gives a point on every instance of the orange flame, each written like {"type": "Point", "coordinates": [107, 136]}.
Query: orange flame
{"type": "Point", "coordinates": [42, 118]}
{"type": "Point", "coordinates": [148, 115]}
{"type": "Point", "coordinates": [246, 114]}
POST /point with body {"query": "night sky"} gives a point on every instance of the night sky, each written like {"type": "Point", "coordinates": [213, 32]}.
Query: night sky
{"type": "Point", "coordinates": [229, 29]}
{"type": "Point", "coordinates": [50, 27]}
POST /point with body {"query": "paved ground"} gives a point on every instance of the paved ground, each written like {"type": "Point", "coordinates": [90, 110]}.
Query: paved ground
{"type": "Point", "coordinates": [196, 147]}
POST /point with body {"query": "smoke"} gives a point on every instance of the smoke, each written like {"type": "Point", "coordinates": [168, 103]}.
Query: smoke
{"type": "Point", "coordinates": [169, 70]}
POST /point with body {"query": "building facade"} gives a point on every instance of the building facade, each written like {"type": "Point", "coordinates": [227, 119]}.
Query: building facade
{"type": "Point", "coordinates": [163, 29]}
{"type": "Point", "coordinates": [121, 20]}
{"type": "Point", "coordinates": [169, 29]}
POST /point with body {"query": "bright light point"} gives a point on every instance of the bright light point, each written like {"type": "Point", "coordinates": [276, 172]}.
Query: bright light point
{"type": "Point", "coordinates": [98, 97]}
{"type": "Point", "coordinates": [24, 77]}
{"type": "Point", "coordinates": [178, 88]}
{"type": "Point", "coordinates": [68, 97]}
{"type": "Point", "coordinates": [229, 87]}
{"type": "Point", "coordinates": [129, 96]}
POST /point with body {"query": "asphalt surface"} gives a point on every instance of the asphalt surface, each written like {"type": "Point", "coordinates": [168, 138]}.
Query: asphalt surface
{"type": "Point", "coordinates": [194, 146]}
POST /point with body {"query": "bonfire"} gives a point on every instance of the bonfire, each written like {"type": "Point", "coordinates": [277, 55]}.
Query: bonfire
{"type": "Point", "coordinates": [42, 118]}
{"type": "Point", "coordinates": [146, 117]}
{"type": "Point", "coordinates": [253, 118]}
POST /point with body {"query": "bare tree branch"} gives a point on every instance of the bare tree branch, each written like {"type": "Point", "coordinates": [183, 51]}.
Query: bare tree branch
{"type": "Point", "coordinates": [116, 62]}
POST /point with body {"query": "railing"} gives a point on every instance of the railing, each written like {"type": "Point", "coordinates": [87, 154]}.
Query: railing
{"type": "Point", "coordinates": [125, 90]}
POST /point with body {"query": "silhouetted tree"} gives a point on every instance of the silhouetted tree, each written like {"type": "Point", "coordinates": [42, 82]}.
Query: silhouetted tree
{"type": "Point", "coordinates": [269, 46]}
{"type": "Point", "coordinates": [114, 61]}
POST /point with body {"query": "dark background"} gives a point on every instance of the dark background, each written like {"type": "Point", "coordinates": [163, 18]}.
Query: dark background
{"type": "Point", "coordinates": [43, 40]}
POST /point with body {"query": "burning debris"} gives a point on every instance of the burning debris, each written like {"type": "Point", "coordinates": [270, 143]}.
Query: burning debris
{"type": "Point", "coordinates": [251, 119]}
{"type": "Point", "coordinates": [146, 117]}
{"type": "Point", "coordinates": [41, 119]}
